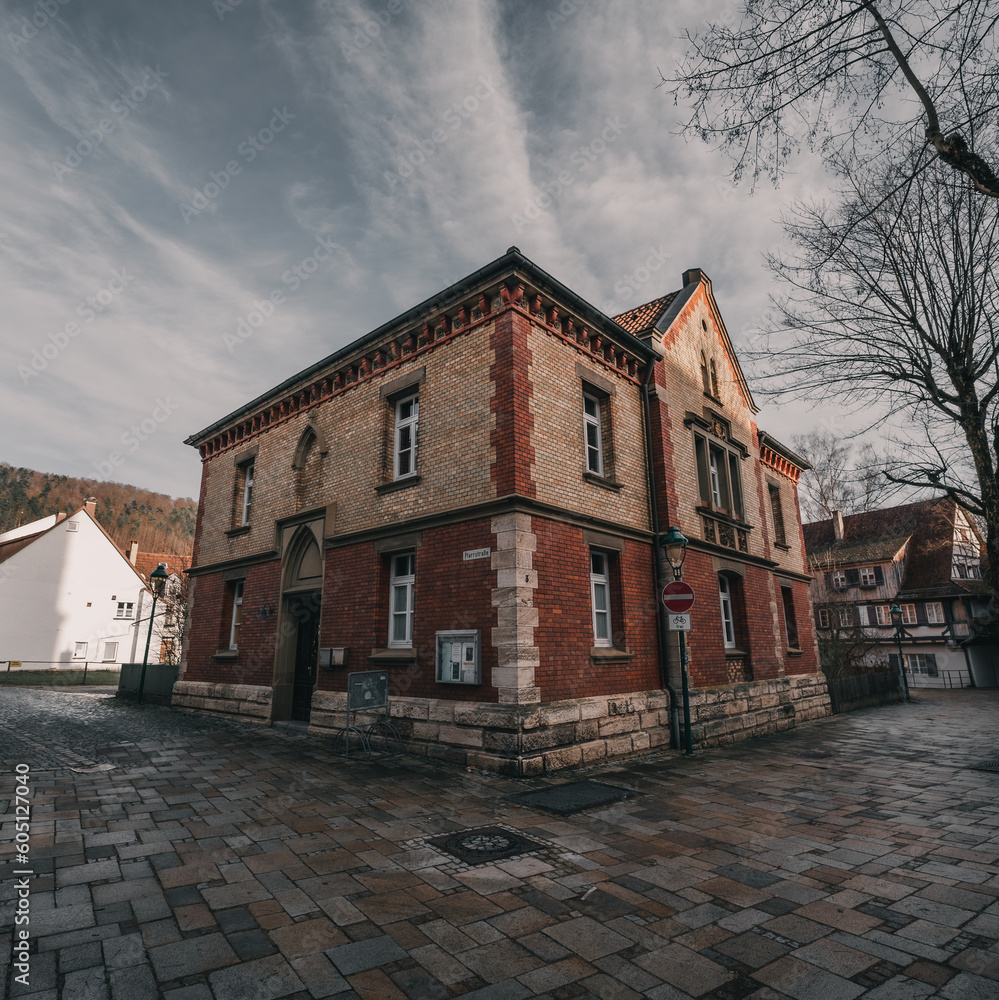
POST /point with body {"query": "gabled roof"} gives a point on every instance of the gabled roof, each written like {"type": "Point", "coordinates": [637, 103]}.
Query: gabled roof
{"type": "Point", "coordinates": [879, 535]}
{"type": "Point", "coordinates": [22, 536]}
{"type": "Point", "coordinates": [53, 521]}
{"type": "Point", "coordinates": [642, 319]}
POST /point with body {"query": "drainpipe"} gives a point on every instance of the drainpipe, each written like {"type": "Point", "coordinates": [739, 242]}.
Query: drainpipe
{"type": "Point", "coordinates": [657, 564]}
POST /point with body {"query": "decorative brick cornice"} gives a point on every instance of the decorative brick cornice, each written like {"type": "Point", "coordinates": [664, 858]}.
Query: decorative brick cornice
{"type": "Point", "coordinates": [400, 348]}
{"type": "Point", "coordinates": [779, 463]}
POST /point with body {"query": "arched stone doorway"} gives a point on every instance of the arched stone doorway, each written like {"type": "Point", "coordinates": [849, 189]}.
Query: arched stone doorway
{"type": "Point", "coordinates": [296, 664]}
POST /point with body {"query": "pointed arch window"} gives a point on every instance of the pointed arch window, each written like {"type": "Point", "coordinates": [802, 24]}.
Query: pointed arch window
{"type": "Point", "coordinates": [705, 383]}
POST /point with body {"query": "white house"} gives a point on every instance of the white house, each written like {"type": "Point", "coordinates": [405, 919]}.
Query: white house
{"type": "Point", "coordinates": [68, 596]}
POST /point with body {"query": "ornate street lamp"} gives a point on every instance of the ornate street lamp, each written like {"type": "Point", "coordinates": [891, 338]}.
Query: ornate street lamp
{"type": "Point", "coordinates": [896, 619]}
{"type": "Point", "coordinates": [674, 544]}
{"type": "Point", "coordinates": [157, 580]}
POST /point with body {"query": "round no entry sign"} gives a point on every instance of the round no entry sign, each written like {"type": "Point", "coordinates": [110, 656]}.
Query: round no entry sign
{"type": "Point", "coordinates": [678, 597]}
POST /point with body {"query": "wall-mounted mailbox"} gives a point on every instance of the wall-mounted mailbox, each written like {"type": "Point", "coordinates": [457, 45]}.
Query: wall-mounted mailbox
{"type": "Point", "coordinates": [332, 656]}
{"type": "Point", "coordinates": [458, 658]}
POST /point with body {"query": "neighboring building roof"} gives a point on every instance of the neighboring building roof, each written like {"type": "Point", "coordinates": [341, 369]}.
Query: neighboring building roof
{"type": "Point", "coordinates": [642, 319]}
{"type": "Point", "coordinates": [21, 537]}
{"type": "Point", "coordinates": [146, 562]}
{"type": "Point", "coordinates": [879, 535]}
{"type": "Point", "coordinates": [22, 541]}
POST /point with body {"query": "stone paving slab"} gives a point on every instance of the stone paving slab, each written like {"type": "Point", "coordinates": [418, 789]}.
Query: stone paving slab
{"type": "Point", "coordinates": [212, 861]}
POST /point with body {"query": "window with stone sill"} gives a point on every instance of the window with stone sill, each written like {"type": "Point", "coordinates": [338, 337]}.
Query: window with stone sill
{"type": "Point", "coordinates": [600, 599]}
{"type": "Point", "coordinates": [790, 619]}
{"type": "Point", "coordinates": [598, 438]}
{"type": "Point", "coordinates": [406, 436]}
{"type": "Point", "coordinates": [236, 615]}
{"type": "Point", "coordinates": [402, 585]}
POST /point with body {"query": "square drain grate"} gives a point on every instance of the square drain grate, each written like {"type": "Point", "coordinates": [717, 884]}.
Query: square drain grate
{"type": "Point", "coordinates": [487, 843]}
{"type": "Point", "coordinates": [573, 797]}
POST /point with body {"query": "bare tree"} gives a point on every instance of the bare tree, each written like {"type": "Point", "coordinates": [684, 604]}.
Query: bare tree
{"type": "Point", "coordinates": [852, 79]}
{"type": "Point", "coordinates": [837, 480]}
{"type": "Point", "coordinates": [893, 308]}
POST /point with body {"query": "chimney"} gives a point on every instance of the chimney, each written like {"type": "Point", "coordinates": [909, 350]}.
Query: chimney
{"type": "Point", "coordinates": [133, 551]}
{"type": "Point", "coordinates": [90, 505]}
{"type": "Point", "coordinates": [837, 520]}
{"type": "Point", "coordinates": [61, 516]}
{"type": "Point", "coordinates": [692, 276]}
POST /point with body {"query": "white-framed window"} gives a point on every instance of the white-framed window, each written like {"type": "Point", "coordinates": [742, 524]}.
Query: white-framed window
{"type": "Point", "coordinates": [846, 617]}
{"type": "Point", "coordinates": [839, 579]}
{"type": "Point", "coordinates": [110, 652]}
{"type": "Point", "coordinates": [882, 613]}
{"type": "Point", "coordinates": [715, 458]}
{"type": "Point", "coordinates": [593, 434]}
{"type": "Point", "coordinates": [922, 663]}
{"type": "Point", "coordinates": [718, 476]}
{"type": "Point", "coordinates": [237, 614]}
{"type": "Point", "coordinates": [79, 650]}
{"type": "Point", "coordinates": [600, 598]}
{"type": "Point", "coordinates": [407, 424]}
{"type": "Point", "coordinates": [823, 618]}
{"type": "Point", "coordinates": [908, 614]}
{"type": "Point", "coordinates": [125, 609]}
{"type": "Point", "coordinates": [247, 501]}
{"type": "Point", "coordinates": [402, 582]}
{"type": "Point", "coordinates": [868, 578]}
{"type": "Point", "coordinates": [728, 620]}
{"type": "Point", "coordinates": [935, 613]}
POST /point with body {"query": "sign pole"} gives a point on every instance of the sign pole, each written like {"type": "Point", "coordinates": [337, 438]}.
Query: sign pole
{"type": "Point", "coordinates": [688, 744]}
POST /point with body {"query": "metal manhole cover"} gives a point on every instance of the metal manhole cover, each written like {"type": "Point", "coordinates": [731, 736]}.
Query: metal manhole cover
{"type": "Point", "coordinates": [488, 843]}
{"type": "Point", "coordinates": [985, 765]}
{"type": "Point", "coordinates": [573, 797]}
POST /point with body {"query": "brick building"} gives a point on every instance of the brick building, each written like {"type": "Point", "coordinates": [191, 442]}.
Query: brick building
{"type": "Point", "coordinates": [469, 497]}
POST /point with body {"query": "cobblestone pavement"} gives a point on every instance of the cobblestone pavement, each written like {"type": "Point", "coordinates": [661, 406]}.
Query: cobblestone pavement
{"type": "Point", "coordinates": [181, 857]}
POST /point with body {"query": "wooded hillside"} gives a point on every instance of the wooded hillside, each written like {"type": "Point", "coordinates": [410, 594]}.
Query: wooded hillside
{"type": "Point", "coordinates": [157, 522]}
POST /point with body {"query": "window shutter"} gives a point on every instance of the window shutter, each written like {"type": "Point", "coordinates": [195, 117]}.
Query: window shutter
{"type": "Point", "coordinates": [853, 577]}
{"type": "Point", "coordinates": [893, 661]}
{"type": "Point", "coordinates": [931, 664]}
{"type": "Point", "coordinates": [879, 576]}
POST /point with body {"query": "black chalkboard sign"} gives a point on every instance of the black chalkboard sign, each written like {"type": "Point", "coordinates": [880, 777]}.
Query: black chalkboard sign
{"type": "Point", "coordinates": [367, 689]}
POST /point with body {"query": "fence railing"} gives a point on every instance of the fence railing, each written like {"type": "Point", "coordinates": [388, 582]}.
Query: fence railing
{"type": "Point", "coordinates": [876, 687]}
{"type": "Point", "coordinates": [941, 679]}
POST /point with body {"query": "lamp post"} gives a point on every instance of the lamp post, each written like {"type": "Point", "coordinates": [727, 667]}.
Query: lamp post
{"type": "Point", "coordinates": [158, 579]}
{"type": "Point", "coordinates": [896, 619]}
{"type": "Point", "coordinates": [675, 545]}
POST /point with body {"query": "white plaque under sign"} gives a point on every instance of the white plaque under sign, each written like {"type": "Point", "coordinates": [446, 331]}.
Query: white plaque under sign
{"type": "Point", "coordinates": [471, 554]}
{"type": "Point", "coordinates": [678, 623]}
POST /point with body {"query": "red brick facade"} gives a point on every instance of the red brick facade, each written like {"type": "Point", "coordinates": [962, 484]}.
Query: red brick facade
{"type": "Point", "coordinates": [509, 500]}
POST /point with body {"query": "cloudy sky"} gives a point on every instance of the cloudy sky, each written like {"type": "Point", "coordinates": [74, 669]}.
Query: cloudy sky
{"type": "Point", "coordinates": [167, 165]}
